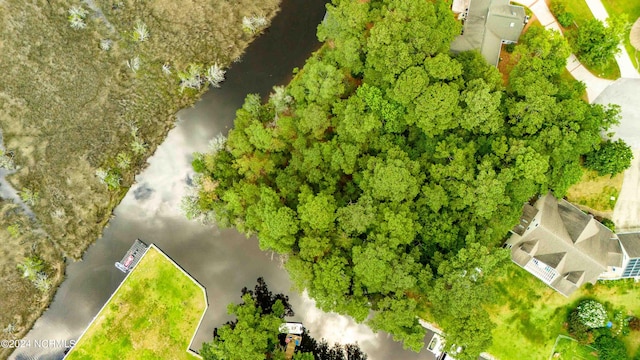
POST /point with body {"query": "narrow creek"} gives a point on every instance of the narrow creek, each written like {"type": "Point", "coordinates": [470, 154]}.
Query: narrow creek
{"type": "Point", "coordinates": [224, 261]}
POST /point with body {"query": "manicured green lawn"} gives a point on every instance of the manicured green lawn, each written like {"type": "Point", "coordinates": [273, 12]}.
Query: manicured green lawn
{"type": "Point", "coordinates": [569, 349]}
{"type": "Point", "coordinates": [581, 13]}
{"type": "Point", "coordinates": [579, 9]}
{"type": "Point", "coordinates": [153, 315]}
{"type": "Point", "coordinates": [530, 315]}
{"type": "Point", "coordinates": [632, 9]}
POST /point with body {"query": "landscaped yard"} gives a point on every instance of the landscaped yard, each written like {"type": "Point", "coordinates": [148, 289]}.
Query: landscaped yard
{"type": "Point", "coordinates": [582, 14]}
{"type": "Point", "coordinates": [598, 193]}
{"type": "Point", "coordinates": [569, 349]}
{"type": "Point", "coordinates": [632, 9]}
{"type": "Point", "coordinates": [153, 315]}
{"type": "Point", "coordinates": [531, 315]}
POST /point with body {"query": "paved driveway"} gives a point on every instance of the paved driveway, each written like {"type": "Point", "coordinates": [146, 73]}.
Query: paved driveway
{"type": "Point", "coordinates": [625, 92]}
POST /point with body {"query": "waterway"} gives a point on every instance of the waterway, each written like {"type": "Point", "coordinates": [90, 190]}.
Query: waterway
{"type": "Point", "coordinates": [224, 261]}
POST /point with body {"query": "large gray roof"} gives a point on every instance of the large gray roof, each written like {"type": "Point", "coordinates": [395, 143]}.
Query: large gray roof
{"type": "Point", "coordinates": [576, 246]}
{"type": "Point", "coordinates": [486, 24]}
{"type": "Point", "coordinates": [631, 243]}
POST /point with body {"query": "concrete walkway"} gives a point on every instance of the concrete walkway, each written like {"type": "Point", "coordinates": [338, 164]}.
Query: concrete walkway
{"type": "Point", "coordinates": [627, 70]}
{"type": "Point", "coordinates": [595, 85]}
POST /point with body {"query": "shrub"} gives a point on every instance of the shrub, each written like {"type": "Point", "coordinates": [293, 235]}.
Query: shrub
{"type": "Point", "coordinates": [596, 44]}
{"type": "Point", "coordinates": [140, 32]}
{"type": "Point", "coordinates": [576, 328]}
{"type": "Point", "coordinates": [610, 348]}
{"type": "Point", "coordinates": [31, 266]}
{"type": "Point", "coordinates": [634, 324]}
{"type": "Point", "coordinates": [77, 16]}
{"type": "Point", "coordinates": [592, 314]}
{"type": "Point", "coordinates": [609, 224]}
{"type": "Point", "coordinates": [14, 230]}
{"type": "Point", "coordinates": [29, 197]}
{"type": "Point", "coordinates": [557, 8]}
{"type": "Point", "coordinates": [123, 160]}
{"type": "Point", "coordinates": [510, 47]}
{"type": "Point", "coordinates": [612, 158]}
{"type": "Point", "coordinates": [566, 19]}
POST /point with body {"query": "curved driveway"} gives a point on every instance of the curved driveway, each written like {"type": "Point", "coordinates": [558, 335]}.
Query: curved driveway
{"type": "Point", "coordinates": [624, 92]}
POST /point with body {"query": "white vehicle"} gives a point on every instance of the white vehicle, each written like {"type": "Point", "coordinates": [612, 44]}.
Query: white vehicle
{"type": "Point", "coordinates": [436, 345]}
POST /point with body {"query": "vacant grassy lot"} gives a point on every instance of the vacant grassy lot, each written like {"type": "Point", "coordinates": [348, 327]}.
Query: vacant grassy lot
{"type": "Point", "coordinates": [153, 315]}
{"type": "Point", "coordinates": [581, 13]}
{"type": "Point", "coordinates": [632, 9]}
{"type": "Point", "coordinates": [598, 193]}
{"type": "Point", "coordinates": [569, 349]}
{"type": "Point", "coordinates": [76, 101]}
{"type": "Point", "coordinates": [531, 315]}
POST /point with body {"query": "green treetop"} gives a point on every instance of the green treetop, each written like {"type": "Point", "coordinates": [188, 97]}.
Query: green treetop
{"type": "Point", "coordinates": [393, 167]}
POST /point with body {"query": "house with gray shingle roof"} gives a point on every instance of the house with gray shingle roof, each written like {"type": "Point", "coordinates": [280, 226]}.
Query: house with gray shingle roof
{"type": "Point", "coordinates": [487, 24]}
{"type": "Point", "coordinates": [566, 248]}
{"type": "Point", "coordinates": [630, 243]}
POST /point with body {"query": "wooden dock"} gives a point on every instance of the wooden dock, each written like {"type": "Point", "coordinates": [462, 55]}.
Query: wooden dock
{"type": "Point", "coordinates": [132, 256]}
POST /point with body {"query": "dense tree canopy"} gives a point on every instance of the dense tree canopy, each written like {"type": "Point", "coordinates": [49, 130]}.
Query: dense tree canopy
{"type": "Point", "coordinates": [395, 169]}
{"type": "Point", "coordinates": [253, 335]}
{"type": "Point", "coordinates": [613, 157]}
{"type": "Point", "coordinates": [595, 43]}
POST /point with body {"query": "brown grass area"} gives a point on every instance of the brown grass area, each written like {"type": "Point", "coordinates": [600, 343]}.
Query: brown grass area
{"type": "Point", "coordinates": [598, 193]}
{"type": "Point", "coordinates": [20, 301]}
{"type": "Point", "coordinates": [67, 107]}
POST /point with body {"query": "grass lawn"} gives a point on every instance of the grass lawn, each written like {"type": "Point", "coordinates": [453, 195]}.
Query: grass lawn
{"type": "Point", "coordinates": [596, 192]}
{"type": "Point", "coordinates": [570, 349]}
{"type": "Point", "coordinates": [632, 9]}
{"type": "Point", "coordinates": [153, 315]}
{"type": "Point", "coordinates": [531, 315]}
{"type": "Point", "coordinates": [581, 13]}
